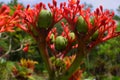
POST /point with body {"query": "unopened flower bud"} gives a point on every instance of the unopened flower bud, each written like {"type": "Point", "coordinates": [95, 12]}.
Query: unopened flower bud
{"type": "Point", "coordinates": [81, 25]}
{"type": "Point", "coordinates": [72, 35]}
{"type": "Point", "coordinates": [60, 43]}
{"type": "Point", "coordinates": [45, 19]}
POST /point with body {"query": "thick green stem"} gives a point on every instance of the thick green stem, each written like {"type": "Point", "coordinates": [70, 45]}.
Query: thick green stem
{"type": "Point", "coordinates": [76, 63]}
{"type": "Point", "coordinates": [44, 53]}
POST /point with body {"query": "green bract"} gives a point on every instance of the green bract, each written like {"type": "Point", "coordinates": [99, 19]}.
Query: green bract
{"type": "Point", "coordinates": [45, 19]}
{"type": "Point", "coordinates": [92, 21]}
{"type": "Point", "coordinates": [52, 38]}
{"type": "Point", "coordinates": [81, 25]}
{"type": "Point", "coordinates": [60, 43]}
{"type": "Point", "coordinates": [94, 36]}
{"type": "Point", "coordinates": [72, 35]}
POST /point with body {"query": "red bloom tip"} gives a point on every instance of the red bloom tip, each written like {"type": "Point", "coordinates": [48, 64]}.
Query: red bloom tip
{"type": "Point", "coordinates": [72, 1]}
{"type": "Point", "coordinates": [97, 11]}
{"type": "Point", "coordinates": [4, 9]}
{"type": "Point", "coordinates": [54, 3]}
{"type": "Point", "coordinates": [18, 7]}
{"type": "Point", "coordinates": [101, 7]}
{"type": "Point", "coordinates": [28, 6]}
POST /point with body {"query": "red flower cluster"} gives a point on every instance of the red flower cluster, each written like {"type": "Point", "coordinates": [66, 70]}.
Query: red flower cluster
{"type": "Point", "coordinates": [28, 17]}
{"type": "Point", "coordinates": [103, 24]}
{"type": "Point", "coordinates": [99, 23]}
{"type": "Point", "coordinates": [7, 22]}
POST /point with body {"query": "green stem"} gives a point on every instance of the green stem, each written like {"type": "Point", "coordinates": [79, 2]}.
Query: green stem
{"type": "Point", "coordinates": [44, 53]}
{"type": "Point", "coordinates": [76, 63]}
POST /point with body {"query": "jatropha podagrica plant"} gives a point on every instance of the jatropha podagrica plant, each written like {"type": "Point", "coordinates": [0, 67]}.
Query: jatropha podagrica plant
{"type": "Point", "coordinates": [82, 31]}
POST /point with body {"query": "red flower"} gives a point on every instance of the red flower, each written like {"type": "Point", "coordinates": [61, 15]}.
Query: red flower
{"type": "Point", "coordinates": [7, 22]}
{"type": "Point", "coordinates": [28, 18]}
{"type": "Point", "coordinates": [100, 21]}
{"type": "Point", "coordinates": [103, 22]}
{"type": "Point", "coordinates": [26, 48]}
{"type": "Point", "coordinates": [72, 2]}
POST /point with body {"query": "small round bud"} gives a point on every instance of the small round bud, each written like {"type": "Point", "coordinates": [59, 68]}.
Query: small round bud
{"type": "Point", "coordinates": [72, 35]}
{"type": "Point", "coordinates": [45, 19]}
{"type": "Point", "coordinates": [81, 25]}
{"type": "Point", "coordinates": [60, 43]}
